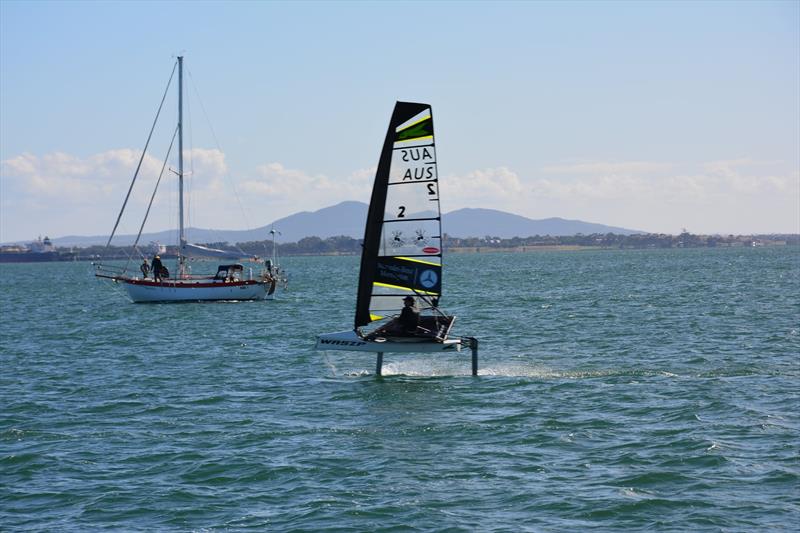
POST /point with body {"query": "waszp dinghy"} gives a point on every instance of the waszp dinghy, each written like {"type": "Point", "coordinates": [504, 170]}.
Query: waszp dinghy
{"type": "Point", "coordinates": [401, 261]}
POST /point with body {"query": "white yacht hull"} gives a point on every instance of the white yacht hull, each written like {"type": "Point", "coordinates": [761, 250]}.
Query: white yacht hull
{"type": "Point", "coordinates": [352, 341]}
{"type": "Point", "coordinates": [197, 291]}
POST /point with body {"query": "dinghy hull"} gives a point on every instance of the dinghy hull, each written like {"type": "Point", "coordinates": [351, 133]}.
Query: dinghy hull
{"type": "Point", "coordinates": [352, 341]}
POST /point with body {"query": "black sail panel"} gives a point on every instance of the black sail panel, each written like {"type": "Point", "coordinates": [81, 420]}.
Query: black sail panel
{"type": "Point", "coordinates": [402, 252]}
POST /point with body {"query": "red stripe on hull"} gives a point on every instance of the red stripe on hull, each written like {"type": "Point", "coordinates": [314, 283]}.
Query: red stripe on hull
{"type": "Point", "coordinates": [188, 284]}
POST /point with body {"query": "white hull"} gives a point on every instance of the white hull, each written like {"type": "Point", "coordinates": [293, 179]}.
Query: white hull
{"type": "Point", "coordinates": [352, 341]}
{"type": "Point", "coordinates": [188, 291]}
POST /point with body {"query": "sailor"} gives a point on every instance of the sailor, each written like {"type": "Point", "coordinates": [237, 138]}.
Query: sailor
{"type": "Point", "coordinates": [157, 267]}
{"type": "Point", "coordinates": [145, 268]}
{"type": "Point", "coordinates": [409, 316]}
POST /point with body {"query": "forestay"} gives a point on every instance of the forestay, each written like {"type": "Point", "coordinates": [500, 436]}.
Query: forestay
{"type": "Point", "coordinates": [402, 242]}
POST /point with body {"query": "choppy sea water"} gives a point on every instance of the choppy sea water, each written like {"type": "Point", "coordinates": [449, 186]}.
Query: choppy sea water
{"type": "Point", "coordinates": [635, 390]}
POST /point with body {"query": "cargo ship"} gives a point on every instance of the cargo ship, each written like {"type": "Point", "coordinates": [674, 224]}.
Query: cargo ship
{"type": "Point", "coordinates": [40, 250]}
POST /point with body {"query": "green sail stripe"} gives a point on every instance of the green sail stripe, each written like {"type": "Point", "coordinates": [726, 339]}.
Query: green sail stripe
{"type": "Point", "coordinates": [422, 129]}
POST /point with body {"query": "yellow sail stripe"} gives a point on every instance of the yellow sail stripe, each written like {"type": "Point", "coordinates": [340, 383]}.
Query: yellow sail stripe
{"type": "Point", "coordinates": [374, 317]}
{"type": "Point", "coordinates": [415, 139]}
{"type": "Point", "coordinates": [423, 119]}
{"type": "Point", "coordinates": [418, 261]}
{"type": "Point", "coordinates": [379, 284]}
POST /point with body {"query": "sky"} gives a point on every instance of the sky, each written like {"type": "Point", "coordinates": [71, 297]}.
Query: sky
{"type": "Point", "coordinates": [653, 116]}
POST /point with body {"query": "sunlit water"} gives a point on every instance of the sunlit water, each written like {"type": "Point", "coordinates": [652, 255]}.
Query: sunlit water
{"type": "Point", "coordinates": [636, 390]}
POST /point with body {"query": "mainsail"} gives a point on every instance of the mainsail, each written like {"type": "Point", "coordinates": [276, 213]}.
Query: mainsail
{"type": "Point", "coordinates": [402, 252]}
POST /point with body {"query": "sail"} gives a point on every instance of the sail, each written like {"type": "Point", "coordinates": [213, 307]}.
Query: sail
{"type": "Point", "coordinates": [198, 251]}
{"type": "Point", "coordinates": [402, 252]}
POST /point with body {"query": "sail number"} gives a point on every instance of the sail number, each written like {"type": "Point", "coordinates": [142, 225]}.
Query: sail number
{"type": "Point", "coordinates": [425, 157]}
{"type": "Point", "coordinates": [418, 173]}
{"type": "Point", "coordinates": [402, 212]}
{"type": "Point", "coordinates": [415, 154]}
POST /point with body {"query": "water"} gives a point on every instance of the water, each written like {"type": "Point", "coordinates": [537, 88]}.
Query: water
{"type": "Point", "coordinates": [636, 390]}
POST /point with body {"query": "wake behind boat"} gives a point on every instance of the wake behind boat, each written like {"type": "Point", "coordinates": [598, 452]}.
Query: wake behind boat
{"type": "Point", "coordinates": [400, 280]}
{"type": "Point", "coordinates": [232, 281]}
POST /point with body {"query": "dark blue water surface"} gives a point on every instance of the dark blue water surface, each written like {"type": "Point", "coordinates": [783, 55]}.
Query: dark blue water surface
{"type": "Point", "coordinates": [636, 390]}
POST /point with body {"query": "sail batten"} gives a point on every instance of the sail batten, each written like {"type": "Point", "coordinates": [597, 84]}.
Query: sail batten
{"type": "Point", "coordinates": [418, 219]}
{"type": "Point", "coordinates": [402, 252]}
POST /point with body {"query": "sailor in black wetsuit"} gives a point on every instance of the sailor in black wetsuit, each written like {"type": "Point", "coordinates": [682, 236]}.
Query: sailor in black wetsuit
{"type": "Point", "coordinates": [409, 316]}
{"type": "Point", "coordinates": [157, 268]}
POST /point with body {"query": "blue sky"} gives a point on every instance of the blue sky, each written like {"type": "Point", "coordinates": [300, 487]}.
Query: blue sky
{"type": "Point", "coordinates": [652, 116]}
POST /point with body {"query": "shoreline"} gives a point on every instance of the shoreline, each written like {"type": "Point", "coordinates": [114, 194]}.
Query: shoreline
{"type": "Point", "coordinates": [454, 250]}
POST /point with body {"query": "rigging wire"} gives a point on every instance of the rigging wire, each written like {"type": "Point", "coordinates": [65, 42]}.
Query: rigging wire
{"type": "Point", "coordinates": [175, 214]}
{"type": "Point", "coordinates": [190, 195]}
{"type": "Point", "coordinates": [139, 165]}
{"type": "Point", "coordinates": [152, 197]}
{"type": "Point", "coordinates": [216, 142]}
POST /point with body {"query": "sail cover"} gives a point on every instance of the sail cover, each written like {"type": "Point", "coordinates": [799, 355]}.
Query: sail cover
{"type": "Point", "coordinates": [402, 252]}
{"type": "Point", "coordinates": [203, 252]}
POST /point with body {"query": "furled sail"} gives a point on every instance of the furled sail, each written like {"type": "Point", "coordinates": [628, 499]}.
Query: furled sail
{"type": "Point", "coordinates": [197, 251]}
{"type": "Point", "coordinates": [402, 252]}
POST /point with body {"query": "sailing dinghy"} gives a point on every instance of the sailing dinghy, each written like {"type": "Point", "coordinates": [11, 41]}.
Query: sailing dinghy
{"type": "Point", "coordinates": [401, 260]}
{"type": "Point", "coordinates": [232, 282]}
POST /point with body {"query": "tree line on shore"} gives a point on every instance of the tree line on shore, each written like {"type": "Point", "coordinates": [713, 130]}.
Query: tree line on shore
{"type": "Point", "coordinates": [343, 245]}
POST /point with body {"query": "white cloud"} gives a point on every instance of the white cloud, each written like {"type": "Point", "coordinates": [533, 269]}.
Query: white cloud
{"type": "Point", "coordinates": [280, 185]}
{"type": "Point", "coordinates": [737, 195]}
{"type": "Point", "coordinates": [99, 175]}
{"type": "Point", "coordinates": [205, 164]}
{"type": "Point", "coordinates": [87, 192]}
{"type": "Point", "coordinates": [641, 180]}
{"type": "Point", "coordinates": [81, 195]}
{"type": "Point", "coordinates": [489, 187]}
{"type": "Point", "coordinates": [606, 168]}
{"type": "Point", "coordinates": [588, 189]}
{"type": "Point", "coordinates": [71, 178]}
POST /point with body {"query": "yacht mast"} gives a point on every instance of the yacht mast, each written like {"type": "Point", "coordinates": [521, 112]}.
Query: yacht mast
{"type": "Point", "coordinates": [182, 235]}
{"type": "Point", "coordinates": [274, 254]}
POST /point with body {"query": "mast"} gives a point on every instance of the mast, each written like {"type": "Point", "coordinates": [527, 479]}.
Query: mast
{"type": "Point", "coordinates": [372, 229]}
{"type": "Point", "coordinates": [182, 235]}
{"type": "Point", "coordinates": [274, 254]}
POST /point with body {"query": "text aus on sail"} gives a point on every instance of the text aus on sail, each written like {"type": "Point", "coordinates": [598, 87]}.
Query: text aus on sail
{"type": "Point", "coordinates": [413, 188]}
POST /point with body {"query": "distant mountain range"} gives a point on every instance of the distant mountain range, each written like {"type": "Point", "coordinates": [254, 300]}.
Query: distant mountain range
{"type": "Point", "coordinates": [347, 218]}
{"type": "Point", "coordinates": [471, 222]}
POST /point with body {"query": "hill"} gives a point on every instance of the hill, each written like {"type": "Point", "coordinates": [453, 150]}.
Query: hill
{"type": "Point", "coordinates": [347, 218]}
{"type": "Point", "coordinates": [471, 222]}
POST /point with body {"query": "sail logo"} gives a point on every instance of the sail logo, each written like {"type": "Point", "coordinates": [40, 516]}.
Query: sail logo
{"type": "Point", "coordinates": [341, 343]}
{"type": "Point", "coordinates": [430, 250]}
{"type": "Point", "coordinates": [396, 274]}
{"type": "Point", "coordinates": [428, 279]}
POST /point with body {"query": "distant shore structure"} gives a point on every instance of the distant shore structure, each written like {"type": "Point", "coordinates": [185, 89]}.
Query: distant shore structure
{"type": "Point", "coordinates": [350, 246]}
{"type": "Point", "coordinates": [38, 251]}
